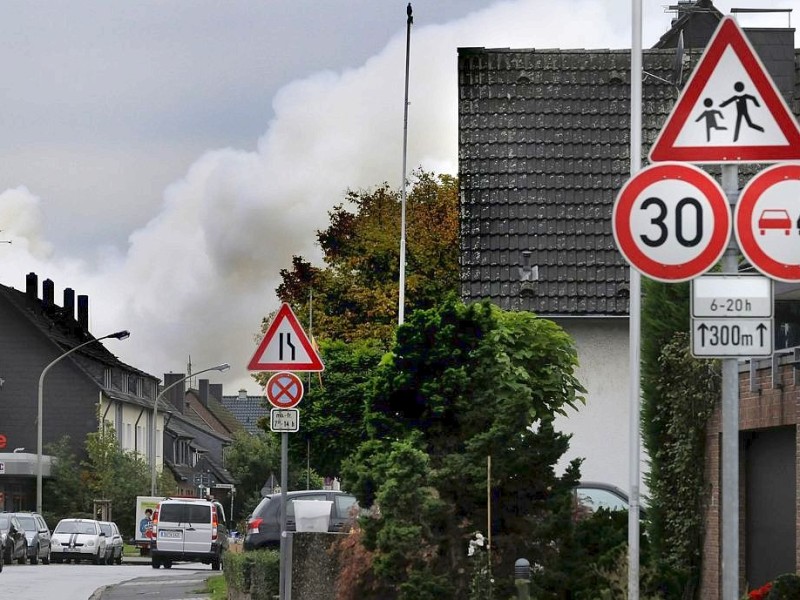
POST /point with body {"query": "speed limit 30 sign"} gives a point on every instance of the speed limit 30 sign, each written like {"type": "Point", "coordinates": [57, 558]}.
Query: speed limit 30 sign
{"type": "Point", "coordinates": [671, 221]}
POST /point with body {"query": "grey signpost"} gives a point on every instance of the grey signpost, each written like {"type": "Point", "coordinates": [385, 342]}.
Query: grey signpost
{"type": "Point", "coordinates": [285, 348]}
{"type": "Point", "coordinates": [729, 76]}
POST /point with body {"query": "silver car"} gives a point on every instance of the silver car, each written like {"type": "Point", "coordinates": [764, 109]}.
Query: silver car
{"type": "Point", "coordinates": [113, 542]}
{"type": "Point", "coordinates": [38, 535]}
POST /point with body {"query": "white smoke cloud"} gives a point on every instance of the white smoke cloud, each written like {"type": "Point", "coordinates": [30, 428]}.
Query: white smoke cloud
{"type": "Point", "coordinates": [198, 278]}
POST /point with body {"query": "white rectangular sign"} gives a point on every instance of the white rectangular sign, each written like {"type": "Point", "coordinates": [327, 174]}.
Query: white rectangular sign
{"type": "Point", "coordinates": [727, 337]}
{"type": "Point", "coordinates": [2, 468]}
{"type": "Point", "coordinates": [284, 419]}
{"type": "Point", "coordinates": [721, 295]}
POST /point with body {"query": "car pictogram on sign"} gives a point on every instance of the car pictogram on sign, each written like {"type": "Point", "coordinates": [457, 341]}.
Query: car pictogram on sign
{"type": "Point", "coordinates": [774, 219]}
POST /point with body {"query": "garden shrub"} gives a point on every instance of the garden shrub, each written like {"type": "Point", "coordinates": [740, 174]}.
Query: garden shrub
{"type": "Point", "coordinates": [255, 573]}
{"type": "Point", "coordinates": [785, 587]}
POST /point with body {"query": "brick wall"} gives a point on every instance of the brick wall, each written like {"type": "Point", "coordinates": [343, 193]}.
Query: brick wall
{"type": "Point", "coordinates": [769, 396]}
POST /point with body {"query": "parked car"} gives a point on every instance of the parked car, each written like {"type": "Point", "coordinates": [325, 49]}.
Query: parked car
{"type": "Point", "coordinates": [78, 539]}
{"type": "Point", "coordinates": [188, 529]}
{"type": "Point", "coordinates": [15, 545]}
{"type": "Point", "coordinates": [37, 534]}
{"type": "Point", "coordinates": [589, 496]}
{"type": "Point", "coordinates": [263, 526]}
{"type": "Point", "coordinates": [113, 542]}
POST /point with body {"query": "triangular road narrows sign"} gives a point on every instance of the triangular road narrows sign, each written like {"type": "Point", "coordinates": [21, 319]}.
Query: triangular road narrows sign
{"type": "Point", "coordinates": [730, 109]}
{"type": "Point", "coordinates": [285, 346]}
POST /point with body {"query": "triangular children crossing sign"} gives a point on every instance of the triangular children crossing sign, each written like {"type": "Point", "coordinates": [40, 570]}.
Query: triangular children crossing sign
{"type": "Point", "coordinates": [730, 109]}
{"type": "Point", "coordinates": [285, 346]}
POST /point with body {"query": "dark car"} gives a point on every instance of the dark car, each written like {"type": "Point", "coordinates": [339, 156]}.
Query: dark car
{"type": "Point", "coordinates": [15, 545]}
{"type": "Point", "coordinates": [37, 534]}
{"type": "Point", "coordinates": [263, 526]}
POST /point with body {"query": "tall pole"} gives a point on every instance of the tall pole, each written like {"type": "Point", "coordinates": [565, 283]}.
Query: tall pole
{"type": "Point", "coordinates": [402, 284]}
{"type": "Point", "coordinates": [730, 425]}
{"type": "Point", "coordinates": [154, 428]}
{"type": "Point", "coordinates": [635, 310]}
{"type": "Point", "coordinates": [120, 335]}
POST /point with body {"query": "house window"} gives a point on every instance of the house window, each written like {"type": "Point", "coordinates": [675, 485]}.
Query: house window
{"type": "Point", "coordinates": [124, 384]}
{"type": "Point", "coordinates": [133, 385]}
{"type": "Point", "coordinates": [107, 378]}
{"type": "Point", "coordinates": [128, 436]}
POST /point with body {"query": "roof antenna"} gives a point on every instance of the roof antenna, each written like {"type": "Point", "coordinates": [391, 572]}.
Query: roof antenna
{"type": "Point", "coordinates": [677, 62]}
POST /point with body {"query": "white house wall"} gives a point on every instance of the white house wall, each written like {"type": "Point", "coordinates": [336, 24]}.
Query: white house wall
{"type": "Point", "coordinates": [600, 428]}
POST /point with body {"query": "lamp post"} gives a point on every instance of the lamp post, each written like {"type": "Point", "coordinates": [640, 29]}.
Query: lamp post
{"type": "Point", "coordinates": [119, 335]}
{"type": "Point", "coordinates": [153, 429]}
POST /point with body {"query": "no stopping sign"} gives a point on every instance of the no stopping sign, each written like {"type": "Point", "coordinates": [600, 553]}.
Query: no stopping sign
{"type": "Point", "coordinates": [284, 390]}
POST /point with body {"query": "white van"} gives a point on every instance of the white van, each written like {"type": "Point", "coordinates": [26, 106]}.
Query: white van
{"type": "Point", "coordinates": [188, 529]}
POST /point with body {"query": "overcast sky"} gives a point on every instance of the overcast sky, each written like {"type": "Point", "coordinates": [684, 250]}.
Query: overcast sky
{"type": "Point", "coordinates": [167, 158]}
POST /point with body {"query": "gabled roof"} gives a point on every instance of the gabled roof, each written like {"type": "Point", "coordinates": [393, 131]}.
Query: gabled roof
{"type": "Point", "coordinates": [62, 328]}
{"type": "Point", "coordinates": [543, 151]}
{"type": "Point", "coordinates": [225, 422]}
{"type": "Point", "coordinates": [247, 410]}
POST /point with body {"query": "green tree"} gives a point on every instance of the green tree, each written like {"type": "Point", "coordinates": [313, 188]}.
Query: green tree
{"type": "Point", "coordinates": [678, 393]}
{"type": "Point", "coordinates": [333, 405]}
{"type": "Point", "coordinates": [251, 459]}
{"type": "Point", "coordinates": [111, 473]}
{"type": "Point", "coordinates": [465, 383]}
{"type": "Point", "coordinates": [64, 494]}
{"type": "Point", "coordinates": [356, 292]}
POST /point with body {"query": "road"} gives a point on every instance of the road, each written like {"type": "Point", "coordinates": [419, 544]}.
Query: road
{"type": "Point", "coordinates": [184, 581]}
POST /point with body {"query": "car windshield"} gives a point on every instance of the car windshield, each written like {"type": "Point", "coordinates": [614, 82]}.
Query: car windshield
{"type": "Point", "coordinates": [75, 527]}
{"type": "Point", "coordinates": [28, 523]}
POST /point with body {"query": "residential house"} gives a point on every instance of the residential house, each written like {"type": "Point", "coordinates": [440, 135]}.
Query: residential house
{"type": "Point", "coordinates": [544, 148]}
{"type": "Point", "coordinates": [88, 384]}
{"type": "Point", "coordinates": [197, 432]}
{"type": "Point", "coordinates": [84, 386]}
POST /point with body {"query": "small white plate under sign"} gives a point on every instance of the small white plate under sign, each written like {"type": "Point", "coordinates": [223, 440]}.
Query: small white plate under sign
{"type": "Point", "coordinates": [284, 419]}
{"type": "Point", "coordinates": [729, 338]}
{"type": "Point", "coordinates": [721, 295]}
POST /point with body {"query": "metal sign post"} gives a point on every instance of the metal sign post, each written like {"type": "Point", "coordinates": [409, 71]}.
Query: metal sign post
{"type": "Point", "coordinates": [730, 426]}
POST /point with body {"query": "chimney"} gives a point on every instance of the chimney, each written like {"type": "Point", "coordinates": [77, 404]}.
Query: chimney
{"type": "Point", "coordinates": [31, 287]}
{"type": "Point", "coordinates": [215, 390]}
{"type": "Point", "coordinates": [177, 394]}
{"type": "Point", "coordinates": [83, 311]}
{"type": "Point", "coordinates": [242, 394]}
{"type": "Point", "coordinates": [204, 392]}
{"type": "Point", "coordinates": [69, 302]}
{"type": "Point", "coordinates": [48, 294]}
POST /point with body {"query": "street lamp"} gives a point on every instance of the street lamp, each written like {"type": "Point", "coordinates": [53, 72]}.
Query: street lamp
{"type": "Point", "coordinates": [119, 335]}
{"type": "Point", "coordinates": [153, 443]}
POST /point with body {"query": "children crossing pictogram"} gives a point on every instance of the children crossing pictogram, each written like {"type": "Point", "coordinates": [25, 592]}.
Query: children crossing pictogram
{"type": "Point", "coordinates": [742, 101]}
{"type": "Point", "coordinates": [730, 109]}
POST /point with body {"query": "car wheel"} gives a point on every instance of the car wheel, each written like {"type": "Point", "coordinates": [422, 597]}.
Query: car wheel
{"type": "Point", "coordinates": [34, 558]}
{"type": "Point", "coordinates": [156, 563]}
{"type": "Point", "coordinates": [119, 558]}
{"type": "Point", "coordinates": [46, 559]}
{"type": "Point", "coordinates": [96, 558]}
{"type": "Point", "coordinates": [167, 564]}
{"type": "Point", "coordinates": [24, 556]}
